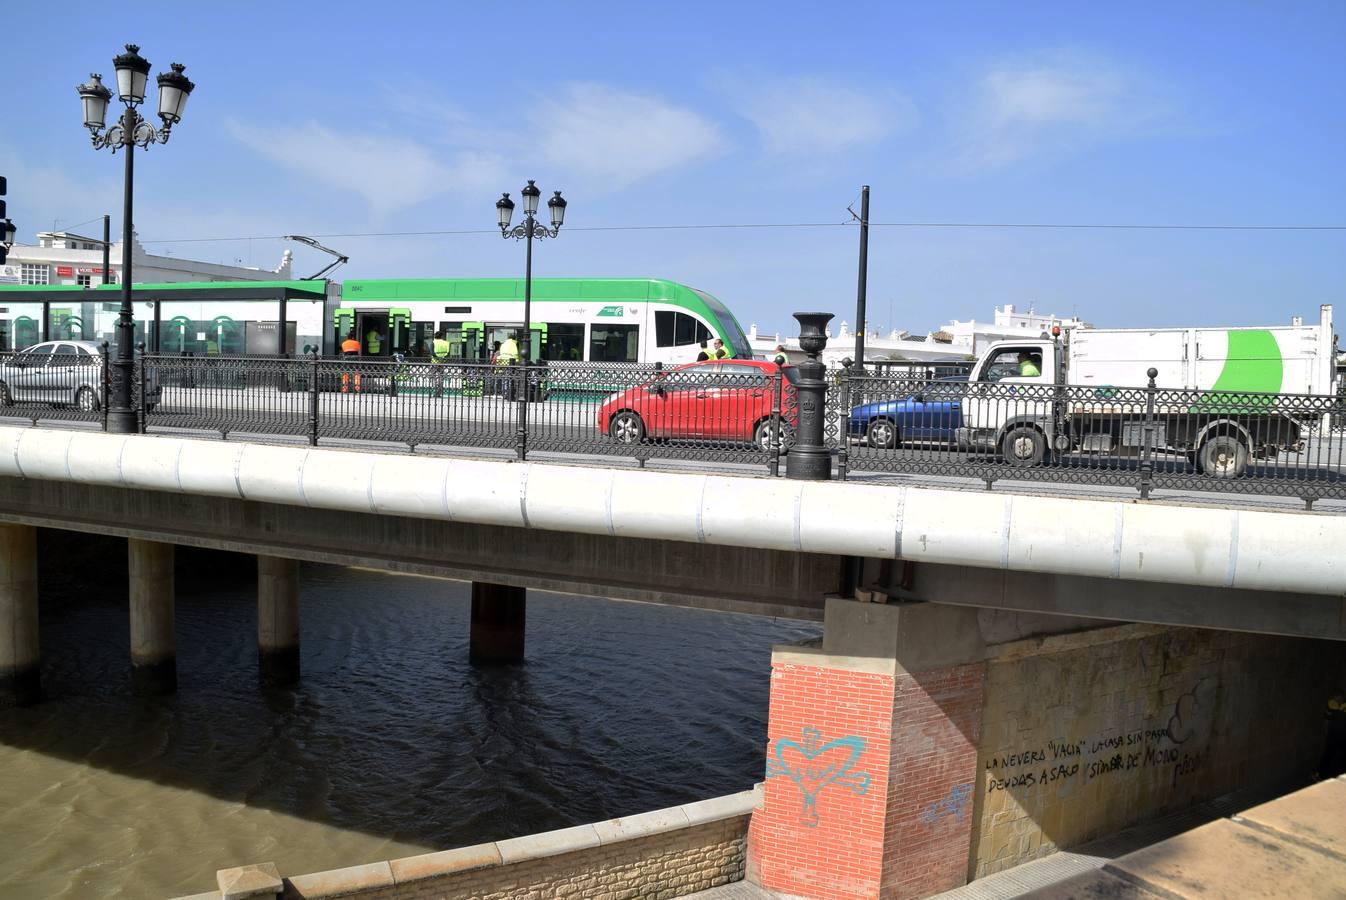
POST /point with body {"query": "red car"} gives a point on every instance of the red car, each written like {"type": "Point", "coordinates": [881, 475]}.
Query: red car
{"type": "Point", "coordinates": [724, 401]}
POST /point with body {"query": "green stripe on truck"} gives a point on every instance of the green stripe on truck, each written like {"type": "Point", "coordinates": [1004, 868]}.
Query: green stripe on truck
{"type": "Point", "coordinates": [1252, 365]}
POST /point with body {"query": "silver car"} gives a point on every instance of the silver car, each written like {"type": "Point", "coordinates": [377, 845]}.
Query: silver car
{"type": "Point", "coordinates": [53, 372]}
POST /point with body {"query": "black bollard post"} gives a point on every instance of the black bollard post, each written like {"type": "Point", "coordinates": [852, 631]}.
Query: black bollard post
{"type": "Point", "coordinates": [808, 459]}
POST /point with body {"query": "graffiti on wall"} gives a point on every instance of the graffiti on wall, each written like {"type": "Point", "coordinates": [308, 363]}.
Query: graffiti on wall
{"type": "Point", "coordinates": [954, 804]}
{"type": "Point", "coordinates": [1176, 739]}
{"type": "Point", "coordinates": [814, 765]}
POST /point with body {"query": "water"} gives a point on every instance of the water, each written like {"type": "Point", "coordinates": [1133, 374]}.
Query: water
{"type": "Point", "coordinates": [392, 744]}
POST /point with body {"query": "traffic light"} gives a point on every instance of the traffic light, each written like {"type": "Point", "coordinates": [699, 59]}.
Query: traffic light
{"type": "Point", "coordinates": [6, 226]}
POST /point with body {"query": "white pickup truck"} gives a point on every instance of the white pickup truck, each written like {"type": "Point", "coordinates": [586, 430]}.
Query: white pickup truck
{"type": "Point", "coordinates": [1103, 411]}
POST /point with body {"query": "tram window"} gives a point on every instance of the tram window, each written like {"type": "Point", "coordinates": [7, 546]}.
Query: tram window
{"type": "Point", "coordinates": [664, 327]}
{"type": "Point", "coordinates": [614, 343]}
{"type": "Point", "coordinates": [564, 342]}
{"type": "Point", "coordinates": [676, 329]}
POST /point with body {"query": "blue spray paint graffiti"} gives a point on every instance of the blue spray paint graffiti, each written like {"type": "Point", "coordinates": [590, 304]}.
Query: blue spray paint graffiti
{"type": "Point", "coordinates": [813, 766]}
{"type": "Point", "coordinates": [955, 804]}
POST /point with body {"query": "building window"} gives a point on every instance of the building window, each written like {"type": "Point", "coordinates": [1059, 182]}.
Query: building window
{"type": "Point", "coordinates": [32, 273]}
{"type": "Point", "coordinates": [84, 280]}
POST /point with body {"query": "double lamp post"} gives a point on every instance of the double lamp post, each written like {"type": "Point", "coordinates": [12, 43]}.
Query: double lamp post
{"type": "Point", "coordinates": [526, 231]}
{"type": "Point", "coordinates": [130, 131]}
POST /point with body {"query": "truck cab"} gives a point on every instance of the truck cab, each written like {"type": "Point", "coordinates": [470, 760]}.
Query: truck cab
{"type": "Point", "coordinates": [1010, 407]}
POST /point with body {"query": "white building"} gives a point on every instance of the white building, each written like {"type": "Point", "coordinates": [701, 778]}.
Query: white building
{"type": "Point", "coordinates": [62, 257]}
{"type": "Point", "coordinates": [954, 341]}
{"type": "Point", "coordinates": [1006, 324]}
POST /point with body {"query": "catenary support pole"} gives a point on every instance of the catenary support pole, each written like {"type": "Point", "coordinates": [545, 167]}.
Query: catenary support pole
{"type": "Point", "coordinates": [153, 646]}
{"type": "Point", "coordinates": [107, 250]}
{"type": "Point", "coordinates": [277, 620]}
{"type": "Point", "coordinates": [498, 617]}
{"type": "Point", "coordinates": [20, 660]}
{"type": "Point", "coordinates": [862, 284]}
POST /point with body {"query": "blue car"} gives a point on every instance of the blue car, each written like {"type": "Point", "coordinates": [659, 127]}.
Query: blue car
{"type": "Point", "coordinates": [931, 415]}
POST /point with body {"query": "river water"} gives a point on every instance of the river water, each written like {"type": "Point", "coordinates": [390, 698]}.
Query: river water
{"type": "Point", "coordinates": [392, 745]}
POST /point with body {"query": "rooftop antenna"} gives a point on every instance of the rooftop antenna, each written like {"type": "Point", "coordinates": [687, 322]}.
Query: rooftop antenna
{"type": "Point", "coordinates": [341, 258]}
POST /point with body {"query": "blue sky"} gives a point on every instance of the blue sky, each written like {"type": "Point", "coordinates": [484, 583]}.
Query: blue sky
{"type": "Point", "coordinates": [332, 118]}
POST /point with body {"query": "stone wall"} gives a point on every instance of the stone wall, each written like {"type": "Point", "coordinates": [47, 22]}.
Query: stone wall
{"type": "Point", "coordinates": [1084, 734]}
{"type": "Point", "coordinates": [662, 854]}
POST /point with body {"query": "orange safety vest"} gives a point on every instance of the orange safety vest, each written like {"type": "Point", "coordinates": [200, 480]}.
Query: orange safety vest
{"type": "Point", "coordinates": [350, 347]}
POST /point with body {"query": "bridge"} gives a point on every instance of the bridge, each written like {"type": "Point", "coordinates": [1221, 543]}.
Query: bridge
{"type": "Point", "coordinates": [991, 661]}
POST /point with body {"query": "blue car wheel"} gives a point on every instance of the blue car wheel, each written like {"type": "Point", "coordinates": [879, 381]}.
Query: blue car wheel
{"type": "Point", "coordinates": [882, 433]}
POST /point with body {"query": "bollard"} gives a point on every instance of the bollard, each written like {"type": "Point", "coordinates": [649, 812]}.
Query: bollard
{"type": "Point", "coordinates": [313, 401]}
{"type": "Point", "coordinates": [1147, 438]}
{"type": "Point", "coordinates": [106, 393]}
{"type": "Point", "coordinates": [808, 459]}
{"type": "Point", "coordinates": [140, 387]}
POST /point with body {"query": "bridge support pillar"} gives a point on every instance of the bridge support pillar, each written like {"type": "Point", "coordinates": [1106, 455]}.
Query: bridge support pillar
{"type": "Point", "coordinates": [498, 615]}
{"type": "Point", "coordinates": [154, 667]}
{"type": "Point", "coordinates": [872, 755]}
{"type": "Point", "coordinates": [277, 620]}
{"type": "Point", "coordinates": [20, 658]}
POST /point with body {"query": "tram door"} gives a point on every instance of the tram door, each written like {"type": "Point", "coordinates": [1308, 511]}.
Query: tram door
{"type": "Point", "coordinates": [371, 330]}
{"type": "Point", "coordinates": [473, 347]}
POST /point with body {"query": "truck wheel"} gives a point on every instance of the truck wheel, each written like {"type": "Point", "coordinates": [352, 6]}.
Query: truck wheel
{"type": "Point", "coordinates": [1223, 456]}
{"type": "Point", "coordinates": [1023, 447]}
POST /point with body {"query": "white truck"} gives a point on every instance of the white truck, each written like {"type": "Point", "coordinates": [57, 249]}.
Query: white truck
{"type": "Point", "coordinates": [1084, 393]}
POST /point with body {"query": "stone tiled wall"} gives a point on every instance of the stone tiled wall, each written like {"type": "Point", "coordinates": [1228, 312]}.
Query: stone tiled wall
{"type": "Point", "coordinates": [656, 867]}
{"type": "Point", "coordinates": [651, 856]}
{"type": "Point", "coordinates": [1084, 734]}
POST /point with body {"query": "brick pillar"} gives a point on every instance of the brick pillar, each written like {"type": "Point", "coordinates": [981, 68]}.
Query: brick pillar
{"type": "Point", "coordinates": [872, 755]}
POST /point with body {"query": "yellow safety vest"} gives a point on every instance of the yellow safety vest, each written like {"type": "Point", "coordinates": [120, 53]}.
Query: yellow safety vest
{"type": "Point", "coordinates": [440, 350]}
{"type": "Point", "coordinates": [508, 352]}
{"type": "Point", "coordinates": [372, 342]}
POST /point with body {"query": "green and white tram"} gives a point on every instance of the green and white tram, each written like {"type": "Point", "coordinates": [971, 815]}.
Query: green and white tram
{"type": "Point", "coordinates": [634, 320]}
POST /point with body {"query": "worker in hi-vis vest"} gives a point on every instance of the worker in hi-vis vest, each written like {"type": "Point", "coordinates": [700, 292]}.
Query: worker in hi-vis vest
{"type": "Point", "coordinates": [439, 354]}
{"type": "Point", "coordinates": [507, 355]}
{"type": "Point", "coordinates": [350, 348]}
{"type": "Point", "coordinates": [373, 342]}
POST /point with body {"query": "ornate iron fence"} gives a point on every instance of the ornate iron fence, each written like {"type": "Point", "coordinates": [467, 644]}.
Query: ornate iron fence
{"type": "Point", "coordinates": [1143, 438]}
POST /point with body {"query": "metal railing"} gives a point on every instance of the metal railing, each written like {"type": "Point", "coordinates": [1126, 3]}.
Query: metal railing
{"type": "Point", "coordinates": [1143, 438]}
{"type": "Point", "coordinates": [1146, 437]}
{"type": "Point", "coordinates": [714, 413]}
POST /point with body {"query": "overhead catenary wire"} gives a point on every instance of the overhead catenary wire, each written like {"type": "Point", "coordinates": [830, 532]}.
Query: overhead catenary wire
{"type": "Point", "coordinates": [1116, 226]}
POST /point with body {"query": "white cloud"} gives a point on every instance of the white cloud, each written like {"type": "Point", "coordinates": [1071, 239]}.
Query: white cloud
{"type": "Point", "coordinates": [806, 115]}
{"type": "Point", "coordinates": [61, 198]}
{"type": "Point", "coordinates": [1057, 103]}
{"type": "Point", "coordinates": [389, 172]}
{"type": "Point", "coordinates": [618, 137]}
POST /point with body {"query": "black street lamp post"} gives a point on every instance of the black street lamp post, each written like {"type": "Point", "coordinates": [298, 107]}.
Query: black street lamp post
{"type": "Point", "coordinates": [809, 458]}
{"type": "Point", "coordinates": [130, 132]}
{"type": "Point", "coordinates": [526, 231]}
